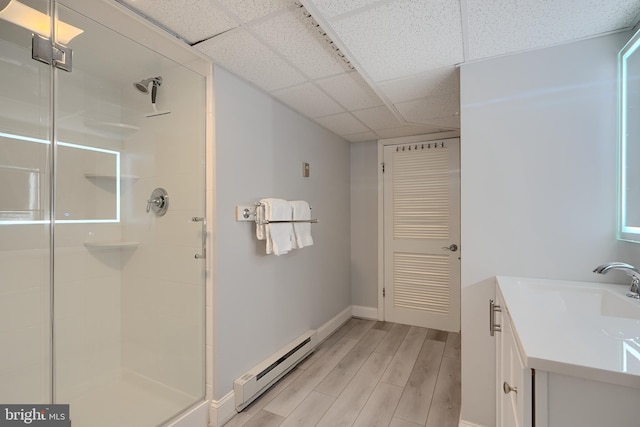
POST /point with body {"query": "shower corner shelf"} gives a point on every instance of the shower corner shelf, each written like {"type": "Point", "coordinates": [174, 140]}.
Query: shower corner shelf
{"type": "Point", "coordinates": [99, 176]}
{"type": "Point", "coordinates": [123, 129]}
{"type": "Point", "coordinates": [112, 244]}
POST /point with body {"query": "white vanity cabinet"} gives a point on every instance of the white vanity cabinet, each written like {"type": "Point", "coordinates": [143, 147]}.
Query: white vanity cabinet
{"type": "Point", "coordinates": [566, 368]}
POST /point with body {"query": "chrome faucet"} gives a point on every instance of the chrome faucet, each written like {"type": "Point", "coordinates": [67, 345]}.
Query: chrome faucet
{"type": "Point", "coordinates": [630, 270]}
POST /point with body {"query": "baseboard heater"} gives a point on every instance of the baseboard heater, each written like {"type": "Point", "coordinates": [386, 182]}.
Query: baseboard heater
{"type": "Point", "coordinates": [251, 385]}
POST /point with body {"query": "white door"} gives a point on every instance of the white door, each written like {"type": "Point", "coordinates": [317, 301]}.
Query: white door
{"type": "Point", "coordinates": [422, 234]}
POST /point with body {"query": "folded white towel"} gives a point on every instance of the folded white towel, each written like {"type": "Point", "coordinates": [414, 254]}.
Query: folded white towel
{"type": "Point", "coordinates": [279, 236]}
{"type": "Point", "coordinates": [301, 230]}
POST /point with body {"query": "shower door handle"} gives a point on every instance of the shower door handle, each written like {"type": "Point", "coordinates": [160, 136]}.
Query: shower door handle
{"type": "Point", "coordinates": [203, 255]}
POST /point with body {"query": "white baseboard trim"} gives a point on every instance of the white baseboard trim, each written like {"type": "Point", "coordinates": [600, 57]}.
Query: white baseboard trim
{"type": "Point", "coordinates": [221, 411]}
{"type": "Point", "coordinates": [370, 313]}
{"type": "Point", "coordinates": [333, 324]}
{"type": "Point", "coordinates": [464, 423]}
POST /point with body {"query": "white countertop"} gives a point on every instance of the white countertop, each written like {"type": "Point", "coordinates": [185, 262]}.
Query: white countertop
{"type": "Point", "coordinates": [575, 328]}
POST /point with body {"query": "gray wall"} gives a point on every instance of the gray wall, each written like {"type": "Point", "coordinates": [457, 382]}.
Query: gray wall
{"type": "Point", "coordinates": [262, 302]}
{"type": "Point", "coordinates": [364, 224]}
{"type": "Point", "coordinates": [538, 165]}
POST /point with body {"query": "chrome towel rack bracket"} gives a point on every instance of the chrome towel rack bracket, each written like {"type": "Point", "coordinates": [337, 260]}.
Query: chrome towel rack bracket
{"type": "Point", "coordinates": [249, 213]}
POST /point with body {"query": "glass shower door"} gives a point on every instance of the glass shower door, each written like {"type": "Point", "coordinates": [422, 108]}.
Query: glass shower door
{"type": "Point", "coordinates": [128, 287]}
{"type": "Point", "coordinates": [25, 152]}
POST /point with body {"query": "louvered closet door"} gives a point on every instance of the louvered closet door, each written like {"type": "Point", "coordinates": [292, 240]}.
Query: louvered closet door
{"type": "Point", "coordinates": [421, 222]}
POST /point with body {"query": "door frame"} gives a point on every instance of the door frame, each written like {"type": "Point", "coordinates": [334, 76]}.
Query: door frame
{"type": "Point", "coordinates": [381, 144]}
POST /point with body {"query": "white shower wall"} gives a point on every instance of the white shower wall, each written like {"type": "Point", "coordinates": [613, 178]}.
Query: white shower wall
{"type": "Point", "coordinates": [117, 311]}
{"type": "Point", "coordinates": [87, 282]}
{"type": "Point", "coordinates": [24, 249]}
{"type": "Point", "coordinates": [163, 283]}
{"type": "Point", "coordinates": [134, 313]}
{"type": "Point", "coordinates": [24, 312]}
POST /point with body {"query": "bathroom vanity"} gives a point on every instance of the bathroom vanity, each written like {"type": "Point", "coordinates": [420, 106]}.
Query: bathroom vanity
{"type": "Point", "coordinates": [568, 354]}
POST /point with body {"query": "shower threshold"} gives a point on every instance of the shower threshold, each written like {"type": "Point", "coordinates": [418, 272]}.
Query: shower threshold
{"type": "Point", "coordinates": [130, 401]}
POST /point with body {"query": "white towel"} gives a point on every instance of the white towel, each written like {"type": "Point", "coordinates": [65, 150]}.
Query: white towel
{"type": "Point", "coordinates": [279, 236]}
{"type": "Point", "coordinates": [301, 230]}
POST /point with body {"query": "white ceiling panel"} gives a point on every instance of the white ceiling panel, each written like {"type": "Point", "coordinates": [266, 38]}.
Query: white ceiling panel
{"type": "Point", "coordinates": [403, 37]}
{"type": "Point", "coordinates": [351, 91]}
{"type": "Point", "coordinates": [378, 118]}
{"type": "Point", "coordinates": [241, 53]}
{"type": "Point", "coordinates": [249, 10]}
{"type": "Point", "coordinates": [331, 8]}
{"type": "Point", "coordinates": [309, 100]}
{"type": "Point", "coordinates": [193, 20]}
{"type": "Point", "coordinates": [342, 124]}
{"type": "Point", "coordinates": [407, 131]}
{"type": "Point", "coordinates": [361, 137]}
{"type": "Point", "coordinates": [421, 110]}
{"type": "Point", "coordinates": [440, 82]}
{"type": "Point", "coordinates": [452, 122]}
{"type": "Point", "coordinates": [506, 26]}
{"type": "Point", "coordinates": [292, 35]}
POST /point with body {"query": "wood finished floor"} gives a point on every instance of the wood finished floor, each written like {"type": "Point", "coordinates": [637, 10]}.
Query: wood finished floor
{"type": "Point", "coordinates": [367, 374]}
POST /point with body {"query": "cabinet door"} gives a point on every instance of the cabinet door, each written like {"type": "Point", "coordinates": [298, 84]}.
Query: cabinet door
{"type": "Point", "coordinates": [513, 379]}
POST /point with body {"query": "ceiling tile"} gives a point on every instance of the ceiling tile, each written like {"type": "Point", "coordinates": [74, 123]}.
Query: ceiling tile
{"type": "Point", "coordinates": [440, 82]}
{"type": "Point", "coordinates": [407, 131]}
{"type": "Point", "coordinates": [361, 137]}
{"type": "Point", "coordinates": [505, 26]}
{"type": "Point", "coordinates": [249, 10]}
{"type": "Point", "coordinates": [309, 100]}
{"type": "Point", "coordinates": [242, 54]}
{"type": "Point", "coordinates": [422, 110]}
{"type": "Point", "coordinates": [292, 35]}
{"type": "Point", "coordinates": [449, 122]}
{"type": "Point", "coordinates": [452, 122]}
{"type": "Point", "coordinates": [193, 20]}
{"type": "Point", "coordinates": [342, 124]}
{"type": "Point", "coordinates": [351, 91]}
{"type": "Point", "coordinates": [331, 8]}
{"type": "Point", "coordinates": [377, 118]}
{"type": "Point", "coordinates": [402, 38]}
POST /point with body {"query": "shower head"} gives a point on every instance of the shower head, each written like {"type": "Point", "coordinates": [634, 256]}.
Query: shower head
{"type": "Point", "coordinates": [143, 85]}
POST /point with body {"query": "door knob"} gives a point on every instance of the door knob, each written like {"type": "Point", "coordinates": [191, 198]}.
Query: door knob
{"type": "Point", "coordinates": [453, 247]}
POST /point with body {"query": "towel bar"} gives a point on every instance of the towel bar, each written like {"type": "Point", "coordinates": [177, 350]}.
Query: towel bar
{"type": "Point", "coordinates": [266, 221]}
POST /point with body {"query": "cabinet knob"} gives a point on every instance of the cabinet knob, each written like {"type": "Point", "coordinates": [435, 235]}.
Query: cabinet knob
{"type": "Point", "coordinates": [508, 389]}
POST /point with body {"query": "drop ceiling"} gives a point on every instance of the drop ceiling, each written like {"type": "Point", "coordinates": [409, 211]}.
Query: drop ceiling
{"type": "Point", "coordinates": [369, 69]}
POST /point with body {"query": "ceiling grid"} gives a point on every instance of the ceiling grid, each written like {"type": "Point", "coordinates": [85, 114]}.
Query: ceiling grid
{"type": "Point", "coordinates": [406, 53]}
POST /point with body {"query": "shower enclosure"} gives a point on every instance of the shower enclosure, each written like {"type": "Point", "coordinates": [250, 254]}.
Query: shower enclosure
{"type": "Point", "coordinates": [102, 295]}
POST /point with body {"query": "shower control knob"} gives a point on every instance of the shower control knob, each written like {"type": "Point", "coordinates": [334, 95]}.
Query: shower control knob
{"type": "Point", "coordinates": [155, 202]}
{"type": "Point", "coordinates": [158, 202]}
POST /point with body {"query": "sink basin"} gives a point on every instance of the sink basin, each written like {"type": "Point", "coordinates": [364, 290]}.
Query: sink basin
{"type": "Point", "coordinates": [580, 329]}
{"type": "Point", "coordinates": [584, 300]}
